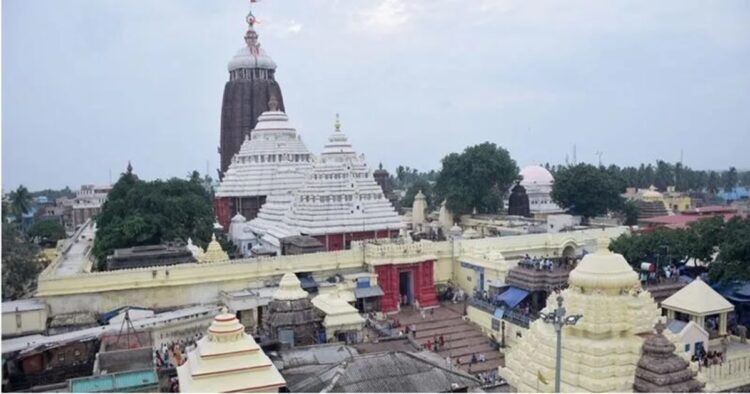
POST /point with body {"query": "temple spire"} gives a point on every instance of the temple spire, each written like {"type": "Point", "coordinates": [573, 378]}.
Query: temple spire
{"type": "Point", "coordinates": [338, 123]}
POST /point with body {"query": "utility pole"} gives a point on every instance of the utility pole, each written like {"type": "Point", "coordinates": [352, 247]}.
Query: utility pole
{"type": "Point", "coordinates": [558, 320]}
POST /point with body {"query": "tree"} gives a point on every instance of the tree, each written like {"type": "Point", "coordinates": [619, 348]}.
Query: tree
{"type": "Point", "coordinates": [729, 179]}
{"type": "Point", "coordinates": [664, 176]}
{"type": "Point", "coordinates": [49, 231]}
{"type": "Point", "coordinates": [412, 191]}
{"type": "Point", "coordinates": [147, 213]}
{"type": "Point", "coordinates": [712, 183]}
{"type": "Point", "coordinates": [733, 261]}
{"type": "Point", "coordinates": [477, 179]}
{"type": "Point", "coordinates": [587, 191]}
{"type": "Point", "coordinates": [21, 264]}
{"type": "Point", "coordinates": [631, 211]}
{"type": "Point", "coordinates": [640, 247]}
{"type": "Point", "coordinates": [20, 201]}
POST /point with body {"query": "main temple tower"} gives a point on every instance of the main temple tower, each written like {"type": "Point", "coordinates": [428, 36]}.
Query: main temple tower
{"type": "Point", "coordinates": [247, 94]}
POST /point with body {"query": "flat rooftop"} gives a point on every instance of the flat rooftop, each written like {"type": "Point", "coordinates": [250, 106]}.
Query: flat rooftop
{"type": "Point", "coordinates": [76, 260]}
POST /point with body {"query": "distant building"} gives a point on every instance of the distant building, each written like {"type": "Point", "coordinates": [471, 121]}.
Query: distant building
{"type": "Point", "coordinates": [684, 219]}
{"type": "Point", "coordinates": [150, 255]}
{"type": "Point", "coordinates": [738, 193]}
{"type": "Point", "coordinates": [88, 203]}
{"type": "Point", "coordinates": [538, 181]}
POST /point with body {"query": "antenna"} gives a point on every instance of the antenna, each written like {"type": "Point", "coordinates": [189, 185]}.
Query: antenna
{"type": "Point", "coordinates": [599, 153]}
{"type": "Point", "coordinates": [575, 159]}
{"type": "Point", "coordinates": [681, 155]}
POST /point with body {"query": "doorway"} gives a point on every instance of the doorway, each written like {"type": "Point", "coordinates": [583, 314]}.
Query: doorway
{"type": "Point", "coordinates": [405, 288]}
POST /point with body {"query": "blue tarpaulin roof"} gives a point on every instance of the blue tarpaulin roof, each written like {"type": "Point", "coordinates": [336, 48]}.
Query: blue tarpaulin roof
{"type": "Point", "coordinates": [499, 312]}
{"type": "Point", "coordinates": [512, 297]}
{"type": "Point", "coordinates": [308, 282]}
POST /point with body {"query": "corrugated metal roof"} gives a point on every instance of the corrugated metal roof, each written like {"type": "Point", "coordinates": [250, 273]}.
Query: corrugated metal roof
{"type": "Point", "coordinates": [372, 291]}
{"type": "Point", "coordinates": [117, 382]}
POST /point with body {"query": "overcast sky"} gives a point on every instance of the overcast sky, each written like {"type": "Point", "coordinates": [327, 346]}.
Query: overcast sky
{"type": "Point", "coordinates": [91, 84]}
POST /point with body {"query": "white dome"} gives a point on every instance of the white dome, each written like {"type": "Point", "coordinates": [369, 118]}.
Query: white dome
{"type": "Point", "coordinates": [536, 175]}
{"type": "Point", "coordinates": [245, 58]}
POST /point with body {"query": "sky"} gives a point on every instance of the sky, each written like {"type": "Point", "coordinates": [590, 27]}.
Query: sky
{"type": "Point", "coordinates": [88, 85]}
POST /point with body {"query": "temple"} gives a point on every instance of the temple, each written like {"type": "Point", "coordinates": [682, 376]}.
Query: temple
{"type": "Point", "coordinates": [228, 360]}
{"type": "Point", "coordinates": [246, 95]}
{"type": "Point", "coordinates": [273, 160]}
{"type": "Point", "coordinates": [602, 351]}
{"type": "Point", "coordinates": [339, 202]}
{"type": "Point", "coordinates": [660, 370]}
{"type": "Point", "coordinates": [538, 181]}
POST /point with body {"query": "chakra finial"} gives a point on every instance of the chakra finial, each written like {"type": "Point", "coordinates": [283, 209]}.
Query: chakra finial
{"type": "Point", "coordinates": [250, 19]}
{"type": "Point", "coordinates": [338, 123]}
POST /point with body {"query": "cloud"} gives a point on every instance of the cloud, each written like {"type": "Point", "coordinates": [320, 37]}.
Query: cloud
{"type": "Point", "coordinates": [387, 16]}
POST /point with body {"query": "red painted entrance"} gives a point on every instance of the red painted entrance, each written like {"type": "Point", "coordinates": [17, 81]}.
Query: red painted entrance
{"type": "Point", "coordinates": [423, 284]}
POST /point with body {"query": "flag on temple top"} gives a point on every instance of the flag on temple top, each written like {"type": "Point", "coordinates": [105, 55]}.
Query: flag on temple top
{"type": "Point", "coordinates": [541, 377]}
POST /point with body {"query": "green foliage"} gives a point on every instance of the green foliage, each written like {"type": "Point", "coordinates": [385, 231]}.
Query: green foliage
{"type": "Point", "coordinates": [21, 264]}
{"type": "Point", "coordinates": [733, 261]}
{"type": "Point", "coordinates": [700, 240]}
{"type": "Point", "coordinates": [47, 230]}
{"type": "Point", "coordinates": [587, 191]}
{"type": "Point", "coordinates": [730, 179]}
{"type": "Point", "coordinates": [146, 213]}
{"type": "Point", "coordinates": [53, 195]}
{"type": "Point", "coordinates": [479, 178]}
{"type": "Point", "coordinates": [20, 201]}
{"type": "Point", "coordinates": [426, 188]}
{"type": "Point", "coordinates": [631, 211]}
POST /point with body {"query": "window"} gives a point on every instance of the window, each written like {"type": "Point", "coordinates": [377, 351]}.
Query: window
{"type": "Point", "coordinates": [687, 347]}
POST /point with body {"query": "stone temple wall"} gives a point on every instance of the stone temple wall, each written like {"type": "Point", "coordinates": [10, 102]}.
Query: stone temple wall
{"type": "Point", "coordinates": [185, 284]}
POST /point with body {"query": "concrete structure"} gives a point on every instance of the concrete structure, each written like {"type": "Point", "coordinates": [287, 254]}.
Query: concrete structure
{"type": "Point", "coordinates": [292, 319]}
{"type": "Point", "coordinates": [418, 209]}
{"type": "Point", "coordinates": [88, 203]}
{"type": "Point", "coordinates": [149, 255]}
{"type": "Point", "coordinates": [538, 181]}
{"type": "Point", "coordinates": [342, 321]}
{"type": "Point", "coordinates": [690, 336]}
{"type": "Point", "coordinates": [251, 85]}
{"type": "Point", "coordinates": [271, 163]}
{"type": "Point", "coordinates": [24, 317]}
{"type": "Point", "coordinates": [339, 202]}
{"type": "Point", "coordinates": [226, 360]}
{"type": "Point", "coordinates": [601, 352]}
{"type": "Point", "coordinates": [660, 370]}
{"type": "Point", "coordinates": [242, 236]}
{"type": "Point", "coordinates": [185, 284]}
{"type": "Point", "coordinates": [214, 253]}
{"type": "Point", "coordinates": [699, 303]}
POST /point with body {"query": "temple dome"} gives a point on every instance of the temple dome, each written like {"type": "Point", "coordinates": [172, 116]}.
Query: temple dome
{"type": "Point", "coordinates": [290, 288]}
{"type": "Point", "coordinates": [251, 56]}
{"type": "Point", "coordinates": [246, 57]}
{"type": "Point", "coordinates": [660, 370]}
{"type": "Point", "coordinates": [603, 270]}
{"type": "Point", "coordinates": [536, 175]}
{"type": "Point", "coordinates": [214, 253]}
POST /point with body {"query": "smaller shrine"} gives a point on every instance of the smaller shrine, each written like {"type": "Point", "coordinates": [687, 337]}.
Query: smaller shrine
{"type": "Point", "coordinates": [518, 203]}
{"type": "Point", "coordinates": [292, 318]}
{"type": "Point", "coordinates": [214, 253]}
{"type": "Point", "coordinates": [228, 360]}
{"type": "Point", "coordinates": [699, 303]}
{"type": "Point", "coordinates": [342, 321]}
{"type": "Point", "coordinates": [660, 370]}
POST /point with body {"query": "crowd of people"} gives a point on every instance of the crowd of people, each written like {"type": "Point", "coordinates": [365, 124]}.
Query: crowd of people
{"type": "Point", "coordinates": [706, 359]}
{"type": "Point", "coordinates": [546, 263]}
{"type": "Point", "coordinates": [654, 276]}
{"type": "Point", "coordinates": [173, 354]}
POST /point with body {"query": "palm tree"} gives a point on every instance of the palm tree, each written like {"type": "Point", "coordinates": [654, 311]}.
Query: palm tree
{"type": "Point", "coordinates": [20, 200]}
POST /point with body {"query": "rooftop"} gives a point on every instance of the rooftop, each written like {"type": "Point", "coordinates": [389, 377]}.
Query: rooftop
{"type": "Point", "coordinates": [697, 298]}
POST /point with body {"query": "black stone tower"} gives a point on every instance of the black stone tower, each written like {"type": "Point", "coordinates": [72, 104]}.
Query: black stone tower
{"type": "Point", "coordinates": [247, 94]}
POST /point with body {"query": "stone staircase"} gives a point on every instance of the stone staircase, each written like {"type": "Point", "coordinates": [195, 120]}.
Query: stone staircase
{"type": "Point", "coordinates": [462, 339]}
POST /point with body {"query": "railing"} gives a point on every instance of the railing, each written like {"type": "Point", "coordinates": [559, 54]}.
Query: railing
{"type": "Point", "coordinates": [730, 374]}
{"type": "Point", "coordinates": [518, 318]}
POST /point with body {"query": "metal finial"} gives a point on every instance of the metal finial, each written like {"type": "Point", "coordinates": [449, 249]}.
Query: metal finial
{"type": "Point", "coordinates": [660, 327]}
{"type": "Point", "coordinates": [250, 19]}
{"type": "Point", "coordinates": [338, 123]}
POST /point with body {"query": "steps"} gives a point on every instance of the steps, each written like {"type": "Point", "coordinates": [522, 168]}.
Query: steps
{"type": "Point", "coordinates": [462, 339]}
